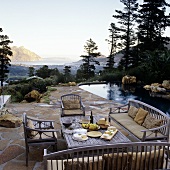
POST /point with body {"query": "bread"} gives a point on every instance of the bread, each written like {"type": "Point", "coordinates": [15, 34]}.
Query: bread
{"type": "Point", "coordinates": [101, 121]}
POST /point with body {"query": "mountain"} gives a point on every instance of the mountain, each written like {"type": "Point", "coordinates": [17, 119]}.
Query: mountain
{"type": "Point", "coordinates": [23, 54]}
{"type": "Point", "coordinates": [102, 60]}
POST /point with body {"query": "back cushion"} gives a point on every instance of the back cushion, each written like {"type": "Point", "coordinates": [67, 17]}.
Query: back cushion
{"type": "Point", "coordinates": [132, 111]}
{"type": "Point", "coordinates": [140, 116]}
{"type": "Point", "coordinates": [30, 133]}
{"type": "Point", "coordinates": [71, 104]}
{"type": "Point", "coordinates": [134, 161]}
{"type": "Point", "coordinates": [151, 122]}
{"type": "Point", "coordinates": [117, 161]}
{"type": "Point", "coordinates": [88, 164]}
{"type": "Point", "coordinates": [147, 160]}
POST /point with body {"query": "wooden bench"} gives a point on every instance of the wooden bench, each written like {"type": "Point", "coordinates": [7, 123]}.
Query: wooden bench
{"type": "Point", "coordinates": [132, 156]}
{"type": "Point", "coordinates": [141, 132]}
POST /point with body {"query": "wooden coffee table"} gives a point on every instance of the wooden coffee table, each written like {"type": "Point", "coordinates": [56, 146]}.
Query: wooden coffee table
{"type": "Point", "coordinates": [118, 138]}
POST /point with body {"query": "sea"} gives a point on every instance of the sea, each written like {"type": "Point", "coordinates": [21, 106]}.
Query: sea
{"type": "Point", "coordinates": [45, 61]}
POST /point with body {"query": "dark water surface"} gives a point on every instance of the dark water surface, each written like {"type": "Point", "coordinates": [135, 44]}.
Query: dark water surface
{"type": "Point", "coordinates": [121, 94]}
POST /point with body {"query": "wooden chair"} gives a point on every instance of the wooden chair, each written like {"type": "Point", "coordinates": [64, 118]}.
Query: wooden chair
{"type": "Point", "coordinates": [38, 133]}
{"type": "Point", "coordinates": [71, 104]}
{"type": "Point", "coordinates": [129, 156]}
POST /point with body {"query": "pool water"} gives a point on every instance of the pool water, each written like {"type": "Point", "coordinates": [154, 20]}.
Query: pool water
{"type": "Point", "coordinates": [121, 94]}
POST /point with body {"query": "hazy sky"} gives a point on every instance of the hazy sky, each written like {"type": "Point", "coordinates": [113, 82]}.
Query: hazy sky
{"type": "Point", "coordinates": [58, 28]}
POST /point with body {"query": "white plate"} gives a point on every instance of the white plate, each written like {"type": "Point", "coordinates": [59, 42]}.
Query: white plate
{"type": "Point", "coordinates": [79, 138]}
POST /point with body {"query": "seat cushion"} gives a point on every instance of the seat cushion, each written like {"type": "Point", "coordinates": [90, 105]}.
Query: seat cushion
{"type": "Point", "coordinates": [151, 122]}
{"type": "Point", "coordinates": [71, 104]}
{"type": "Point", "coordinates": [140, 116]}
{"type": "Point", "coordinates": [127, 122]}
{"type": "Point", "coordinates": [132, 111]}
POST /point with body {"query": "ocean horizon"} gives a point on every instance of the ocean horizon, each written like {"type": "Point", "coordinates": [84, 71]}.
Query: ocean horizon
{"type": "Point", "coordinates": [44, 61]}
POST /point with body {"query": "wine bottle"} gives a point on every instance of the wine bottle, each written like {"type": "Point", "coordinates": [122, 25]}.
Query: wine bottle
{"type": "Point", "coordinates": [91, 117]}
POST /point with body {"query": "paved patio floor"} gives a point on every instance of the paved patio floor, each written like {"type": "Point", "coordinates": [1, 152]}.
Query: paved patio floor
{"type": "Point", "coordinates": [12, 146]}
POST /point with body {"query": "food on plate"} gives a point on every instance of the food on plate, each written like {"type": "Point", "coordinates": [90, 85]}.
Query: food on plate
{"type": "Point", "coordinates": [80, 137]}
{"type": "Point", "coordinates": [90, 126]}
{"type": "Point", "coordinates": [103, 121]}
{"type": "Point", "coordinates": [108, 132]}
{"type": "Point", "coordinates": [111, 128]}
{"type": "Point", "coordinates": [85, 125]}
{"type": "Point", "coordinates": [93, 126]}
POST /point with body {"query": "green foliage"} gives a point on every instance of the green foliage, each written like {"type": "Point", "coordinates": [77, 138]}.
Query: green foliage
{"type": "Point", "coordinates": [48, 81]}
{"type": "Point", "coordinates": [5, 52]}
{"type": "Point", "coordinates": [39, 85]}
{"type": "Point", "coordinates": [87, 68]}
{"type": "Point", "coordinates": [43, 72]}
{"type": "Point", "coordinates": [153, 21]}
{"type": "Point", "coordinates": [16, 96]}
{"type": "Point", "coordinates": [67, 74]}
{"type": "Point", "coordinates": [31, 71]}
{"type": "Point", "coordinates": [111, 77]}
{"type": "Point", "coordinates": [126, 19]}
{"type": "Point", "coordinates": [51, 88]}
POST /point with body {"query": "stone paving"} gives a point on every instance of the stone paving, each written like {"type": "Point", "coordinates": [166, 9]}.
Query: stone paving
{"type": "Point", "coordinates": [12, 146]}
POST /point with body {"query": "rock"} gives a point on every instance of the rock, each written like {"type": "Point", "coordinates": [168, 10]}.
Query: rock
{"type": "Point", "coordinates": [166, 84]}
{"type": "Point", "coordinates": [128, 80]}
{"type": "Point", "coordinates": [71, 83]}
{"type": "Point", "coordinates": [147, 87]}
{"type": "Point", "coordinates": [34, 95]}
{"type": "Point", "coordinates": [4, 111]}
{"type": "Point", "coordinates": [10, 121]}
{"type": "Point", "coordinates": [156, 85]}
{"type": "Point", "coordinates": [157, 88]}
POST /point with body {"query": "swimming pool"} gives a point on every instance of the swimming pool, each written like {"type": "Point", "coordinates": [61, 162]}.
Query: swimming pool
{"type": "Point", "coordinates": [121, 94]}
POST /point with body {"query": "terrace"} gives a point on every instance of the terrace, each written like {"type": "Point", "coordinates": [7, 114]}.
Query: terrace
{"type": "Point", "coordinates": [12, 146]}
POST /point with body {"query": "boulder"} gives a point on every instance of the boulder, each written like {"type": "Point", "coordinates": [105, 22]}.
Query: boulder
{"type": "Point", "coordinates": [71, 83]}
{"type": "Point", "coordinates": [166, 84]}
{"type": "Point", "coordinates": [129, 80]}
{"type": "Point", "coordinates": [34, 95]}
{"type": "Point", "coordinates": [3, 111]}
{"type": "Point", "coordinates": [156, 84]}
{"type": "Point", "coordinates": [10, 121]}
{"type": "Point", "coordinates": [147, 87]}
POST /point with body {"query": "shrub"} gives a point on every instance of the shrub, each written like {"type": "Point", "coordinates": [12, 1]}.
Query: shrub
{"type": "Point", "coordinates": [39, 85]}
{"type": "Point", "coordinates": [111, 77]}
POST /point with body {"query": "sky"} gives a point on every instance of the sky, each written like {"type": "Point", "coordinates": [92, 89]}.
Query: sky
{"type": "Point", "coordinates": [58, 28]}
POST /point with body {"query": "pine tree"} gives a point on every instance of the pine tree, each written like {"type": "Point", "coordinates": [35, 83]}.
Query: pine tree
{"type": "Point", "coordinates": [152, 24]}
{"type": "Point", "coordinates": [31, 71]}
{"type": "Point", "coordinates": [88, 67]}
{"type": "Point", "coordinates": [5, 52]}
{"type": "Point", "coordinates": [113, 42]}
{"type": "Point", "coordinates": [127, 37]}
{"type": "Point", "coordinates": [67, 71]}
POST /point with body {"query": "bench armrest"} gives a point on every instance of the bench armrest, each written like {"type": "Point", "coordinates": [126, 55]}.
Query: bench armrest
{"type": "Point", "coordinates": [153, 130]}
{"type": "Point", "coordinates": [40, 120]}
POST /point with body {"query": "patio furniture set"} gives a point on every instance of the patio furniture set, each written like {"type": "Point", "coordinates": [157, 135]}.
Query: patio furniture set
{"type": "Point", "coordinates": [95, 152]}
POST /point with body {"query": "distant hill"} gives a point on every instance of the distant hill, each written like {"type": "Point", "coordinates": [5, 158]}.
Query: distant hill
{"type": "Point", "coordinates": [23, 54]}
{"type": "Point", "coordinates": [102, 60]}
